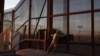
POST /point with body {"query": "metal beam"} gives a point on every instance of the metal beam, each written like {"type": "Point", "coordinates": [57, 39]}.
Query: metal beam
{"type": "Point", "coordinates": [1, 14]}
{"type": "Point", "coordinates": [67, 24]}
{"type": "Point", "coordinates": [29, 27]}
{"type": "Point", "coordinates": [92, 28]}
{"type": "Point", "coordinates": [49, 18]}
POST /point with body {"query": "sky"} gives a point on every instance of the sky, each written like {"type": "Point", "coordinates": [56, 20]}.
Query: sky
{"type": "Point", "coordinates": [10, 4]}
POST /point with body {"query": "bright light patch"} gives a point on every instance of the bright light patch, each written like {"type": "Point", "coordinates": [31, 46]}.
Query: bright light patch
{"type": "Point", "coordinates": [10, 4]}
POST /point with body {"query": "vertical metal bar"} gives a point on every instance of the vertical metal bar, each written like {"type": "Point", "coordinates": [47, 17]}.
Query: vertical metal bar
{"type": "Point", "coordinates": [38, 39]}
{"type": "Point", "coordinates": [68, 24]}
{"type": "Point", "coordinates": [92, 28]}
{"type": "Point", "coordinates": [67, 16]}
{"type": "Point", "coordinates": [49, 18]}
{"type": "Point", "coordinates": [39, 17]}
{"type": "Point", "coordinates": [45, 40]}
{"type": "Point", "coordinates": [29, 26]}
{"type": "Point", "coordinates": [13, 20]}
{"type": "Point", "coordinates": [1, 14]}
{"type": "Point", "coordinates": [13, 25]}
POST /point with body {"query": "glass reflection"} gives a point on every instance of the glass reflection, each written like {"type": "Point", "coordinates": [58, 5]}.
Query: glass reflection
{"type": "Point", "coordinates": [96, 4]}
{"type": "Point", "coordinates": [60, 23]}
{"type": "Point", "coordinates": [42, 23]}
{"type": "Point", "coordinates": [37, 7]}
{"type": "Point", "coordinates": [79, 5]}
{"type": "Point", "coordinates": [21, 15]}
{"type": "Point", "coordinates": [80, 27]}
{"type": "Point", "coordinates": [97, 27]}
{"type": "Point", "coordinates": [7, 20]}
{"type": "Point", "coordinates": [59, 6]}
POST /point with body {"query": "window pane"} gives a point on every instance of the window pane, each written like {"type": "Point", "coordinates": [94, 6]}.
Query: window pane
{"type": "Point", "coordinates": [42, 23]}
{"type": "Point", "coordinates": [37, 7]}
{"type": "Point", "coordinates": [7, 19]}
{"type": "Point", "coordinates": [80, 27]}
{"type": "Point", "coordinates": [59, 6]}
{"type": "Point", "coordinates": [97, 32]}
{"type": "Point", "coordinates": [97, 4]}
{"type": "Point", "coordinates": [80, 5]}
{"type": "Point", "coordinates": [60, 23]}
{"type": "Point", "coordinates": [21, 14]}
{"type": "Point", "coordinates": [97, 27]}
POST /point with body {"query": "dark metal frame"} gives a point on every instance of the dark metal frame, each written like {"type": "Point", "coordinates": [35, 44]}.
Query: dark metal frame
{"type": "Point", "coordinates": [1, 14]}
{"type": "Point", "coordinates": [29, 27]}
{"type": "Point", "coordinates": [50, 21]}
{"type": "Point", "coordinates": [49, 18]}
{"type": "Point", "coordinates": [67, 23]}
{"type": "Point", "coordinates": [92, 28]}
